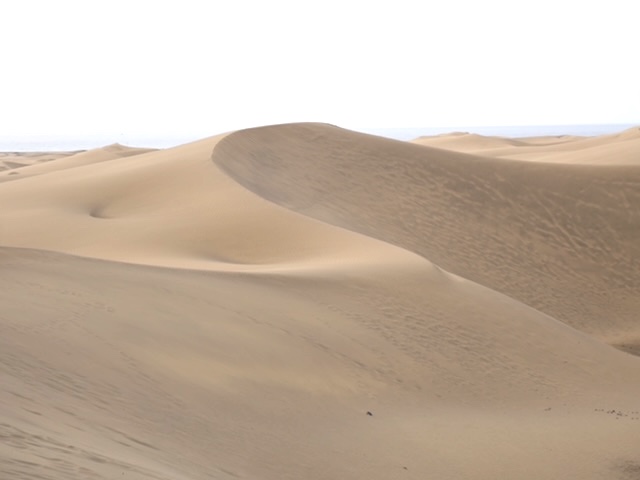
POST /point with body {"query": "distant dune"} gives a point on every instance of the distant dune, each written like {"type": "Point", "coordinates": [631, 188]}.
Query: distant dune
{"type": "Point", "coordinates": [616, 149]}
{"type": "Point", "coordinates": [40, 163]}
{"type": "Point", "coordinates": [15, 160]}
{"type": "Point", "coordinates": [303, 301]}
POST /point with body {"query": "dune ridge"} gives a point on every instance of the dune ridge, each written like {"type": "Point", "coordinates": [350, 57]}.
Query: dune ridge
{"type": "Point", "coordinates": [562, 238]}
{"type": "Point", "coordinates": [68, 160]}
{"type": "Point", "coordinates": [13, 160]}
{"type": "Point", "coordinates": [302, 301]}
{"type": "Point", "coordinates": [615, 149]}
{"type": "Point", "coordinates": [186, 213]}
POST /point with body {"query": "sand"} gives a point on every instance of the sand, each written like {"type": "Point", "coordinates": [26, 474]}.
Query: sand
{"type": "Point", "coordinates": [615, 149]}
{"type": "Point", "coordinates": [303, 301]}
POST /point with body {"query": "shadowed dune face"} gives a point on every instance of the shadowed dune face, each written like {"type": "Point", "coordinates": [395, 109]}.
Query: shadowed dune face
{"type": "Point", "coordinates": [564, 239]}
{"type": "Point", "coordinates": [176, 208]}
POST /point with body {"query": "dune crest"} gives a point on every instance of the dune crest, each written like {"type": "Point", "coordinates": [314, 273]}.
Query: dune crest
{"type": "Point", "coordinates": [175, 208]}
{"type": "Point", "coordinates": [564, 239]}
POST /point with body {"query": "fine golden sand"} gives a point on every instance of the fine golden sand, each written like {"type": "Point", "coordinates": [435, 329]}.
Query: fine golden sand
{"type": "Point", "coordinates": [306, 302]}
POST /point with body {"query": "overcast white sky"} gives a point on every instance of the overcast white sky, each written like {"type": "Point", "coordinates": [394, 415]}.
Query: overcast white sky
{"type": "Point", "coordinates": [197, 68]}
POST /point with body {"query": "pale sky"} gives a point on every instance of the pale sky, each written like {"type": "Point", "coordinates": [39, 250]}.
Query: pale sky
{"type": "Point", "coordinates": [198, 68]}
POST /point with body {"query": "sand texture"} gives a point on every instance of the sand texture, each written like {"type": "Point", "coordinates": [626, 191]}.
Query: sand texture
{"type": "Point", "coordinates": [306, 302]}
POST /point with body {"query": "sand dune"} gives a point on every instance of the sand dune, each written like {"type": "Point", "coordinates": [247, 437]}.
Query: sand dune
{"type": "Point", "coordinates": [174, 208]}
{"type": "Point", "coordinates": [471, 142]}
{"type": "Point", "coordinates": [615, 149]}
{"type": "Point", "coordinates": [41, 162]}
{"type": "Point", "coordinates": [14, 160]}
{"type": "Point", "coordinates": [564, 239]}
{"type": "Point", "coordinates": [233, 308]}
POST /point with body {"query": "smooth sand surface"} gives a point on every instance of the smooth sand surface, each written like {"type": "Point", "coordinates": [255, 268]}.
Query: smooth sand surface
{"type": "Point", "coordinates": [615, 149]}
{"type": "Point", "coordinates": [306, 302]}
{"type": "Point", "coordinates": [15, 160]}
{"type": "Point", "coordinates": [21, 165]}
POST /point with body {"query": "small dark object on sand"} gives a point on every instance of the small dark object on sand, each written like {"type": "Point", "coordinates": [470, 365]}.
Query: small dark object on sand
{"type": "Point", "coordinates": [370, 414]}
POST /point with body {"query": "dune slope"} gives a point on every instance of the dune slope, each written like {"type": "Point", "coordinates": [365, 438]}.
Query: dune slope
{"type": "Point", "coordinates": [111, 370]}
{"type": "Point", "coordinates": [14, 160]}
{"type": "Point", "coordinates": [615, 149]}
{"type": "Point", "coordinates": [69, 160]}
{"type": "Point", "coordinates": [564, 239]}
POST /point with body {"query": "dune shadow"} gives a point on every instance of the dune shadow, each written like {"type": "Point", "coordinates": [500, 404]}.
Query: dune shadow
{"type": "Point", "coordinates": [99, 212]}
{"type": "Point", "coordinates": [627, 469]}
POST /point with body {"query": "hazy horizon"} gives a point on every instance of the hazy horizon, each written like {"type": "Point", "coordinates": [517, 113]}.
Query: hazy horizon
{"type": "Point", "coordinates": [37, 143]}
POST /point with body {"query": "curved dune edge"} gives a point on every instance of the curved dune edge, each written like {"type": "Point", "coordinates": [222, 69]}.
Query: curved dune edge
{"type": "Point", "coordinates": [562, 238]}
{"type": "Point", "coordinates": [175, 209]}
